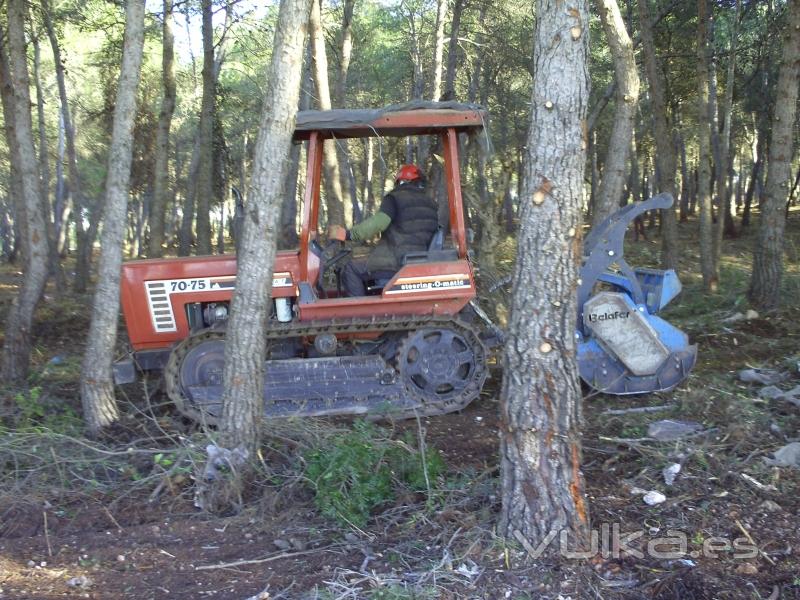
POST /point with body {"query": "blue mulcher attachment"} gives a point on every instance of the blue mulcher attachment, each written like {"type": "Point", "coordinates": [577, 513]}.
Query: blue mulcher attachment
{"type": "Point", "coordinates": [623, 347]}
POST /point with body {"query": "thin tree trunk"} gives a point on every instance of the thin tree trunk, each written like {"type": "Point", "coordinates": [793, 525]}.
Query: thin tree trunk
{"type": "Point", "coordinates": [17, 346]}
{"type": "Point", "coordinates": [330, 166]}
{"type": "Point", "coordinates": [452, 52]}
{"type": "Point", "coordinates": [540, 447]}
{"type": "Point", "coordinates": [686, 183]}
{"type": "Point", "coordinates": [205, 173]}
{"type": "Point", "coordinates": [438, 50]}
{"type": "Point", "coordinates": [16, 192]}
{"type": "Point", "coordinates": [97, 385]}
{"type": "Point", "coordinates": [665, 155]}
{"type": "Point", "coordinates": [161, 190]}
{"type": "Point", "coordinates": [342, 147]}
{"type": "Point", "coordinates": [765, 283]}
{"type": "Point", "coordinates": [704, 137]}
{"type": "Point", "coordinates": [54, 264]}
{"type": "Point", "coordinates": [627, 97]}
{"type": "Point", "coordinates": [187, 217]}
{"type": "Point", "coordinates": [245, 350]}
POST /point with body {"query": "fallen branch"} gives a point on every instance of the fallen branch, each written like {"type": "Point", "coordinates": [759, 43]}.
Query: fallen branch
{"type": "Point", "coordinates": [258, 561]}
{"type": "Point", "coordinates": [752, 541]}
{"type": "Point", "coordinates": [639, 409]}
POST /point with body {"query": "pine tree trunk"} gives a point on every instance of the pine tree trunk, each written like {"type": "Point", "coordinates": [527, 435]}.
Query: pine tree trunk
{"type": "Point", "coordinates": [704, 137]}
{"type": "Point", "coordinates": [438, 50]}
{"type": "Point", "coordinates": [161, 177]}
{"type": "Point", "coordinates": [97, 385]}
{"type": "Point", "coordinates": [665, 155]}
{"type": "Point", "coordinates": [540, 448]}
{"type": "Point", "coordinates": [452, 52]}
{"type": "Point", "coordinates": [627, 97]}
{"type": "Point", "coordinates": [330, 166]}
{"type": "Point", "coordinates": [765, 283]}
{"type": "Point", "coordinates": [205, 173]}
{"type": "Point", "coordinates": [245, 348]}
{"type": "Point", "coordinates": [17, 346]}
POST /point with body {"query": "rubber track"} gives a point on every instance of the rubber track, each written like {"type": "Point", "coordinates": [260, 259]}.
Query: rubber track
{"type": "Point", "coordinates": [280, 331]}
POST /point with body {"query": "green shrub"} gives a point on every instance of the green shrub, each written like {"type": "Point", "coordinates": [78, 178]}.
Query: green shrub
{"type": "Point", "coordinates": [362, 469]}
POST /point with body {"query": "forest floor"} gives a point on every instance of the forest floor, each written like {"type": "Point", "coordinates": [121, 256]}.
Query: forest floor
{"type": "Point", "coordinates": [115, 518]}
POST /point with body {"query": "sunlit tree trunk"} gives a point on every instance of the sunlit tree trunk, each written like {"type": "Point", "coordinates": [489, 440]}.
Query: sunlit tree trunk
{"type": "Point", "coordinates": [665, 155]}
{"type": "Point", "coordinates": [540, 447]}
{"type": "Point", "coordinates": [330, 166]}
{"type": "Point", "coordinates": [97, 385]}
{"type": "Point", "coordinates": [627, 98]}
{"type": "Point", "coordinates": [449, 92]}
{"type": "Point", "coordinates": [704, 158]}
{"type": "Point", "coordinates": [17, 346]}
{"type": "Point", "coordinates": [765, 283]}
{"type": "Point", "coordinates": [245, 349]}
{"type": "Point", "coordinates": [161, 175]}
{"type": "Point", "coordinates": [438, 50]}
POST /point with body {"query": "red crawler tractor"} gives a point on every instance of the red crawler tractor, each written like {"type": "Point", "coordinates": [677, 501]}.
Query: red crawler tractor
{"type": "Point", "coordinates": [412, 346]}
{"type": "Point", "coordinates": [418, 344]}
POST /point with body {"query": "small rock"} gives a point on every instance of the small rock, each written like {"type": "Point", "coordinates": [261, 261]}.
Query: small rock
{"type": "Point", "coordinates": [669, 430]}
{"type": "Point", "coordinates": [747, 569]}
{"type": "Point", "coordinates": [750, 315]}
{"type": "Point", "coordinates": [282, 544]}
{"type": "Point", "coordinates": [734, 318]}
{"type": "Point", "coordinates": [81, 582]}
{"type": "Point", "coordinates": [671, 472]}
{"type": "Point", "coordinates": [653, 497]}
{"type": "Point", "coordinates": [120, 558]}
{"type": "Point", "coordinates": [770, 392]}
{"type": "Point", "coordinates": [248, 535]}
{"type": "Point", "coordinates": [31, 564]}
{"type": "Point", "coordinates": [762, 376]}
{"type": "Point", "coordinates": [770, 506]}
{"type": "Point", "coordinates": [787, 456]}
{"type": "Point", "coordinates": [297, 544]}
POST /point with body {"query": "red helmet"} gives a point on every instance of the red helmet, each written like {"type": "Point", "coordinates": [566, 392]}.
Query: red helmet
{"type": "Point", "coordinates": [408, 173]}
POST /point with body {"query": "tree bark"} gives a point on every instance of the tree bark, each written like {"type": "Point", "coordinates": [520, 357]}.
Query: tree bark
{"type": "Point", "coordinates": [665, 155]}
{"type": "Point", "coordinates": [17, 346]}
{"type": "Point", "coordinates": [205, 173]}
{"type": "Point", "coordinates": [452, 52]}
{"type": "Point", "coordinates": [161, 177]}
{"type": "Point", "coordinates": [438, 50]}
{"type": "Point", "coordinates": [97, 385]}
{"type": "Point", "coordinates": [540, 448]}
{"type": "Point", "coordinates": [704, 137]}
{"type": "Point", "coordinates": [245, 348]}
{"type": "Point", "coordinates": [765, 283]}
{"type": "Point", "coordinates": [330, 166]}
{"type": "Point", "coordinates": [627, 98]}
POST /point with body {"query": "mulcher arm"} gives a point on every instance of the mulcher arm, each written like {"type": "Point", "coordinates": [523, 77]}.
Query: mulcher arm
{"type": "Point", "coordinates": [623, 347]}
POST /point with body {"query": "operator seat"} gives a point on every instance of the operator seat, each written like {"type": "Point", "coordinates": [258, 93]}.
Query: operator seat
{"type": "Point", "coordinates": [434, 253]}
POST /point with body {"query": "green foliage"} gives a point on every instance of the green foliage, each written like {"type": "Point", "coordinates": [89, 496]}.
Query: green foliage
{"type": "Point", "coordinates": [35, 414]}
{"type": "Point", "coordinates": [362, 469]}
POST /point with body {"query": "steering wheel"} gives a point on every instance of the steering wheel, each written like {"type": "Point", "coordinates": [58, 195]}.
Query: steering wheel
{"type": "Point", "coordinates": [330, 255]}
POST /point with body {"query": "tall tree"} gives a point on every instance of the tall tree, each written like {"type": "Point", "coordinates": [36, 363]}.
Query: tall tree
{"type": "Point", "coordinates": [97, 385]}
{"type": "Point", "coordinates": [540, 447]}
{"type": "Point", "coordinates": [330, 165]}
{"type": "Point", "coordinates": [627, 98]}
{"type": "Point", "coordinates": [438, 50]}
{"type": "Point", "coordinates": [765, 282]}
{"type": "Point", "coordinates": [704, 158]}
{"type": "Point", "coordinates": [161, 178]}
{"type": "Point", "coordinates": [665, 155]}
{"type": "Point", "coordinates": [205, 173]}
{"type": "Point", "coordinates": [17, 346]}
{"type": "Point", "coordinates": [245, 351]}
{"type": "Point", "coordinates": [723, 161]}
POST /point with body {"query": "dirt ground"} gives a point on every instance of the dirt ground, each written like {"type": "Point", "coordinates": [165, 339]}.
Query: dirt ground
{"type": "Point", "coordinates": [115, 518]}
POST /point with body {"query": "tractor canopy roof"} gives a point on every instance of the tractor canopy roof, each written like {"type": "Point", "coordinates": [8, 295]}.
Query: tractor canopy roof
{"type": "Point", "coordinates": [411, 118]}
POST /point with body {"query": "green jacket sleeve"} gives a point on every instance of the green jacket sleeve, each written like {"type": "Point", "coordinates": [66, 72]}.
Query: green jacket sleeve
{"type": "Point", "coordinates": [369, 228]}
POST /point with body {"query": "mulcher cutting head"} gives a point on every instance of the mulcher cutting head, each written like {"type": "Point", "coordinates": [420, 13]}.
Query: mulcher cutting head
{"type": "Point", "coordinates": [623, 347]}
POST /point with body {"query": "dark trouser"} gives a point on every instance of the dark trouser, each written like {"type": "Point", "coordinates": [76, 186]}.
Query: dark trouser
{"type": "Point", "coordinates": [355, 277]}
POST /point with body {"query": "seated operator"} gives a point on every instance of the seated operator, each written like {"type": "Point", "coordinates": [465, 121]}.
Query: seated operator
{"type": "Point", "coordinates": [407, 220]}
